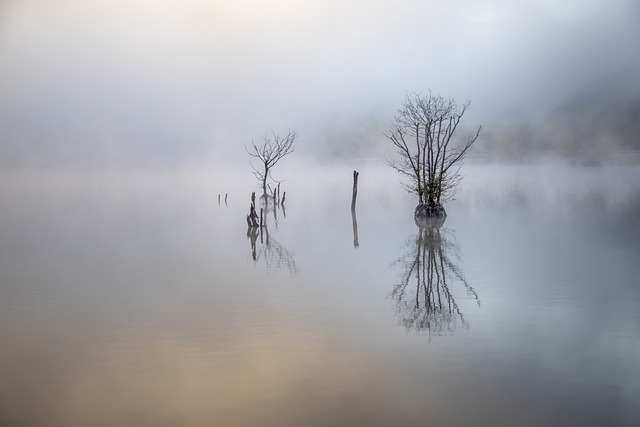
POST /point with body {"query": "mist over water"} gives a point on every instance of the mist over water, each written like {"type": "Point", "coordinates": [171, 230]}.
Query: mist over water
{"type": "Point", "coordinates": [136, 297]}
{"type": "Point", "coordinates": [132, 292]}
{"type": "Point", "coordinates": [147, 84]}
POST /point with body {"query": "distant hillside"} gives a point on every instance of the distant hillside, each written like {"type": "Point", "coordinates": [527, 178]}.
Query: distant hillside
{"type": "Point", "coordinates": [614, 123]}
{"type": "Point", "coordinates": [597, 127]}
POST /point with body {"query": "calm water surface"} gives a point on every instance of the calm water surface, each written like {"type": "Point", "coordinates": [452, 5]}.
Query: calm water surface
{"type": "Point", "coordinates": [137, 300]}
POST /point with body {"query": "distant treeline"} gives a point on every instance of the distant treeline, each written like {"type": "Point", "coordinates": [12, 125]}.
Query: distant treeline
{"type": "Point", "coordinates": [589, 131]}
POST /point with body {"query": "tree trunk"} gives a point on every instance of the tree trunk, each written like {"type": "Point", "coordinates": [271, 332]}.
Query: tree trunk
{"type": "Point", "coordinates": [264, 182]}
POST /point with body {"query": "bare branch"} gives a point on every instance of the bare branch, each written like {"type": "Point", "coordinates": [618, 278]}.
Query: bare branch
{"type": "Point", "coordinates": [272, 150]}
{"type": "Point", "coordinates": [431, 165]}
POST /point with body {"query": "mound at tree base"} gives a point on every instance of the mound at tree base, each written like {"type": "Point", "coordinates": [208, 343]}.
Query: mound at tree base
{"type": "Point", "coordinates": [429, 215]}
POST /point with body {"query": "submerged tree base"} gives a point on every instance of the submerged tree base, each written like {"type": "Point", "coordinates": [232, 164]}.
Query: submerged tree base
{"type": "Point", "coordinates": [429, 215]}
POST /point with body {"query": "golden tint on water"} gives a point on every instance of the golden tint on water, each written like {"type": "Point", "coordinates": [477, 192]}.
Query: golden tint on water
{"type": "Point", "coordinates": [142, 304]}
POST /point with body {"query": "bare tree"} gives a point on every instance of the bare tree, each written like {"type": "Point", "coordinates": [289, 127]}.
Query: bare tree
{"type": "Point", "coordinates": [429, 156]}
{"type": "Point", "coordinates": [273, 149]}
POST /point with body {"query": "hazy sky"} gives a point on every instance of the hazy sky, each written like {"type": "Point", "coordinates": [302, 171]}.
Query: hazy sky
{"type": "Point", "coordinates": [173, 80]}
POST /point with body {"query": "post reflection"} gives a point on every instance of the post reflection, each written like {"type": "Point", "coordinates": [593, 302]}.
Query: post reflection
{"type": "Point", "coordinates": [354, 223]}
{"type": "Point", "coordinates": [425, 296]}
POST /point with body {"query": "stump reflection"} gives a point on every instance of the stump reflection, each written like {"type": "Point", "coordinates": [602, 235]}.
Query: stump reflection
{"type": "Point", "coordinates": [274, 255]}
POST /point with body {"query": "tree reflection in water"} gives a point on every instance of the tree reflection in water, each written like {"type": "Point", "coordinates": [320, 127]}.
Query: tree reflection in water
{"type": "Point", "coordinates": [424, 297]}
{"type": "Point", "coordinates": [269, 250]}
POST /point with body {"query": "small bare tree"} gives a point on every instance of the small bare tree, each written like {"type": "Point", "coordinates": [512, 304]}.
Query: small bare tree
{"type": "Point", "coordinates": [429, 156]}
{"type": "Point", "coordinates": [273, 149]}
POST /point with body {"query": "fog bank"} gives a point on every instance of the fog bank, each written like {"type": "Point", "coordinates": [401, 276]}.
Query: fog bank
{"type": "Point", "coordinates": [163, 84]}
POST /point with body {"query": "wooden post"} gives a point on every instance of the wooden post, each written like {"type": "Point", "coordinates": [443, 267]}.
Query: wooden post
{"type": "Point", "coordinates": [355, 190]}
{"type": "Point", "coordinates": [284, 195]}
{"type": "Point", "coordinates": [225, 198]}
{"type": "Point", "coordinates": [261, 217]}
{"type": "Point", "coordinates": [278, 193]}
{"type": "Point", "coordinates": [218, 200]}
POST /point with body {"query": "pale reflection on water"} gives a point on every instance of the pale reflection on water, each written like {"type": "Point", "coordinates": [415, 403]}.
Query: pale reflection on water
{"type": "Point", "coordinates": [265, 249]}
{"type": "Point", "coordinates": [140, 301]}
{"type": "Point", "coordinates": [425, 295]}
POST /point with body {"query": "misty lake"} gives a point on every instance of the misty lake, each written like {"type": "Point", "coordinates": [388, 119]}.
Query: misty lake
{"type": "Point", "coordinates": [138, 299]}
